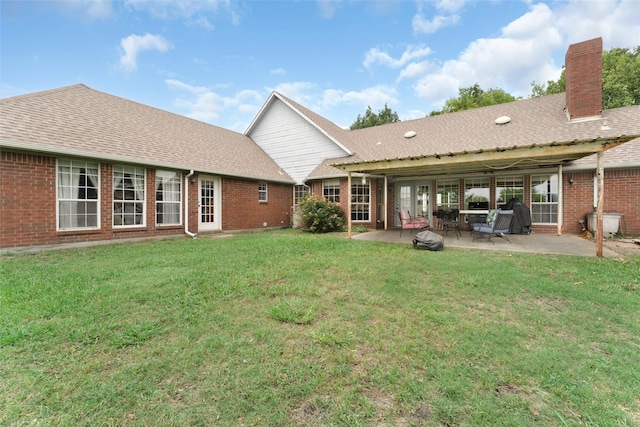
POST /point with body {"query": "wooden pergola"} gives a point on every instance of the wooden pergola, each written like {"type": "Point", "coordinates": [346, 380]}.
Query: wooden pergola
{"type": "Point", "coordinates": [555, 154]}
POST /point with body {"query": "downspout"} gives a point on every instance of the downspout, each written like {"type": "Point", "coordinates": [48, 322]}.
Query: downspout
{"type": "Point", "coordinates": [186, 204]}
{"type": "Point", "coordinates": [349, 205]}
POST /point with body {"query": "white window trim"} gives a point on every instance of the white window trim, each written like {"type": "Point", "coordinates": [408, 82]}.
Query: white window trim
{"type": "Point", "coordinates": [333, 183]}
{"type": "Point", "coordinates": [178, 175]}
{"type": "Point", "coordinates": [368, 185]}
{"type": "Point", "coordinates": [143, 201]}
{"type": "Point", "coordinates": [261, 191]}
{"type": "Point", "coordinates": [98, 204]}
{"type": "Point", "coordinates": [532, 203]}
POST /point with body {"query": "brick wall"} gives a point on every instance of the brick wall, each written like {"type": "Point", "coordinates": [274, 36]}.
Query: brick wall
{"type": "Point", "coordinates": [241, 209]}
{"type": "Point", "coordinates": [28, 205]}
{"type": "Point", "coordinates": [583, 63]}
{"type": "Point", "coordinates": [27, 199]}
{"type": "Point", "coordinates": [621, 195]}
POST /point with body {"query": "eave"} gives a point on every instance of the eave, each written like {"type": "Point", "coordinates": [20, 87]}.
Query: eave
{"type": "Point", "coordinates": [484, 161]}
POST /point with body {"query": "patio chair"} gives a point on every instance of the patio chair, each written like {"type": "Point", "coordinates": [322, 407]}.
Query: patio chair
{"type": "Point", "coordinates": [497, 228]}
{"type": "Point", "coordinates": [408, 223]}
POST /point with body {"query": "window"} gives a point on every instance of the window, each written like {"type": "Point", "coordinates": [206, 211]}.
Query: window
{"type": "Point", "coordinates": [298, 193]}
{"type": "Point", "coordinates": [544, 199]}
{"type": "Point", "coordinates": [128, 196]}
{"type": "Point", "coordinates": [331, 190]}
{"type": "Point", "coordinates": [77, 194]}
{"type": "Point", "coordinates": [448, 194]}
{"type": "Point", "coordinates": [262, 191]}
{"type": "Point", "coordinates": [360, 205]}
{"type": "Point", "coordinates": [476, 190]}
{"type": "Point", "coordinates": [508, 187]}
{"type": "Point", "coordinates": [168, 197]}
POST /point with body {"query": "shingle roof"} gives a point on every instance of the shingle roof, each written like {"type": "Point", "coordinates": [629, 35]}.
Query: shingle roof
{"type": "Point", "coordinates": [83, 121]}
{"type": "Point", "coordinates": [623, 156]}
{"type": "Point", "coordinates": [537, 121]}
{"type": "Point", "coordinates": [534, 122]}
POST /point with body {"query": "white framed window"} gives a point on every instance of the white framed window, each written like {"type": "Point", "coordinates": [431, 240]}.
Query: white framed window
{"type": "Point", "coordinates": [129, 196]}
{"type": "Point", "coordinates": [360, 202]}
{"type": "Point", "coordinates": [298, 193]}
{"type": "Point", "coordinates": [508, 187]}
{"type": "Point", "coordinates": [78, 191]}
{"type": "Point", "coordinates": [476, 190]}
{"type": "Point", "coordinates": [447, 194]}
{"type": "Point", "coordinates": [168, 198]}
{"type": "Point", "coordinates": [331, 190]}
{"type": "Point", "coordinates": [262, 192]}
{"type": "Point", "coordinates": [544, 199]}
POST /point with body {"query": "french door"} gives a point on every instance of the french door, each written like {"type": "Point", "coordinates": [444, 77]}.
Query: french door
{"type": "Point", "coordinates": [209, 209]}
{"type": "Point", "coordinates": [414, 197]}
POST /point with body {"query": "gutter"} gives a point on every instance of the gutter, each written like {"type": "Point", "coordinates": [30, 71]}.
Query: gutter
{"type": "Point", "coordinates": [186, 204]}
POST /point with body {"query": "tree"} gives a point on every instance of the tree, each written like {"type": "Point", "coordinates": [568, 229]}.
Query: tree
{"type": "Point", "coordinates": [474, 97]}
{"type": "Point", "coordinates": [557, 86]}
{"type": "Point", "coordinates": [620, 79]}
{"type": "Point", "coordinates": [370, 118]}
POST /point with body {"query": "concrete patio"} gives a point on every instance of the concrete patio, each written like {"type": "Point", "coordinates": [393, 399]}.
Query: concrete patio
{"type": "Point", "coordinates": [535, 243]}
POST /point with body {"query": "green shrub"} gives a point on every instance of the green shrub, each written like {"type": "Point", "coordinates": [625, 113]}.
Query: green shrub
{"type": "Point", "coordinates": [320, 215]}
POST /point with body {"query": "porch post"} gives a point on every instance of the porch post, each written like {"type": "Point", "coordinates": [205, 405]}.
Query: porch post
{"type": "Point", "coordinates": [600, 207]}
{"type": "Point", "coordinates": [386, 208]}
{"type": "Point", "coordinates": [560, 201]}
{"type": "Point", "coordinates": [349, 204]}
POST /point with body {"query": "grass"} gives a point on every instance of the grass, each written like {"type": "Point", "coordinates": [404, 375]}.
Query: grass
{"type": "Point", "coordinates": [287, 328]}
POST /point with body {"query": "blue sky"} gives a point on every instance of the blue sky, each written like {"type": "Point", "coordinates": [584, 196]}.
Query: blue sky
{"type": "Point", "coordinates": [218, 61]}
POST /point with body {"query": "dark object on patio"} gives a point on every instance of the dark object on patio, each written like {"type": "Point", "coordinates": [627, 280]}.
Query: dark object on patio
{"type": "Point", "coordinates": [500, 226]}
{"type": "Point", "coordinates": [521, 223]}
{"type": "Point", "coordinates": [431, 240]}
{"type": "Point", "coordinates": [408, 223]}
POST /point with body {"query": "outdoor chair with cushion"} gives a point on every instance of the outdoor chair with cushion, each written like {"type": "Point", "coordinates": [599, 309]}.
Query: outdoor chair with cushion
{"type": "Point", "coordinates": [408, 223]}
{"type": "Point", "coordinates": [498, 227]}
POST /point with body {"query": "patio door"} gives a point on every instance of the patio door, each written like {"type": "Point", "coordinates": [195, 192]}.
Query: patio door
{"type": "Point", "coordinates": [414, 197]}
{"type": "Point", "coordinates": [209, 208]}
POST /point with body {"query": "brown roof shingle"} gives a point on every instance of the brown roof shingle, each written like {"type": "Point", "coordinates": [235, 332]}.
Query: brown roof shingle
{"type": "Point", "coordinates": [538, 121]}
{"type": "Point", "coordinates": [78, 120]}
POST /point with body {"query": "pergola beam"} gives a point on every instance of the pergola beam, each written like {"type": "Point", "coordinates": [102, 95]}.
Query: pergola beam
{"type": "Point", "coordinates": [501, 158]}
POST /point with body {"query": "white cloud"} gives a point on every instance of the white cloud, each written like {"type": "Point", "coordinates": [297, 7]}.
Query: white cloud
{"type": "Point", "coordinates": [194, 11]}
{"type": "Point", "coordinates": [377, 56]}
{"type": "Point", "coordinates": [88, 10]}
{"type": "Point", "coordinates": [421, 25]}
{"type": "Point", "coordinates": [327, 8]}
{"type": "Point", "coordinates": [414, 70]}
{"type": "Point", "coordinates": [522, 54]}
{"type": "Point", "coordinates": [616, 21]}
{"type": "Point", "coordinates": [278, 72]}
{"type": "Point", "coordinates": [202, 103]}
{"type": "Point", "coordinates": [135, 44]}
{"type": "Point", "coordinates": [525, 49]}
{"type": "Point", "coordinates": [447, 17]}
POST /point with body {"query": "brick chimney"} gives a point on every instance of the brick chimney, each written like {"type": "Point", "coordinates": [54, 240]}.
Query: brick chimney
{"type": "Point", "coordinates": [583, 68]}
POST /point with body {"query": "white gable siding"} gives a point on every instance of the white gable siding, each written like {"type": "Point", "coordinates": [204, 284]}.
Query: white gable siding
{"type": "Point", "coordinates": [294, 143]}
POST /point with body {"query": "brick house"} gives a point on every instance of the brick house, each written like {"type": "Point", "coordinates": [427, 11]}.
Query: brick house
{"type": "Point", "coordinates": [80, 165]}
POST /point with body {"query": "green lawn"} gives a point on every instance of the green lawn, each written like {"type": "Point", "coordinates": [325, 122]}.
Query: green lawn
{"type": "Point", "coordinates": [286, 328]}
